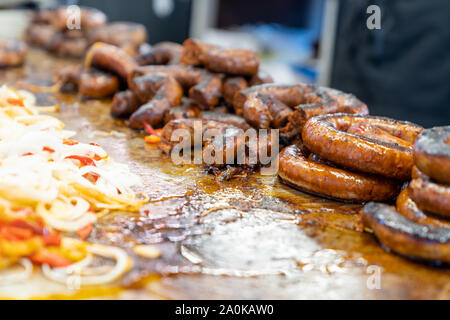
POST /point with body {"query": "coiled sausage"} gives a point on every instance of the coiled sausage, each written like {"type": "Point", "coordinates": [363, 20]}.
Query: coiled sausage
{"type": "Point", "coordinates": [432, 153]}
{"type": "Point", "coordinates": [319, 178]}
{"type": "Point", "coordinates": [405, 236]}
{"type": "Point", "coordinates": [327, 137]}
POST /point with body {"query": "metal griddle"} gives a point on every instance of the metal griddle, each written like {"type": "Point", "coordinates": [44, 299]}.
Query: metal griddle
{"type": "Point", "coordinates": [269, 241]}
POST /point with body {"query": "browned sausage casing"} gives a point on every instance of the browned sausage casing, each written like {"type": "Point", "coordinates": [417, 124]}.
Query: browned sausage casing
{"type": "Point", "coordinates": [68, 47]}
{"type": "Point", "coordinates": [186, 110]}
{"type": "Point", "coordinates": [432, 153]}
{"type": "Point", "coordinates": [321, 179]}
{"type": "Point", "coordinates": [194, 52]}
{"type": "Point", "coordinates": [405, 236]}
{"type": "Point", "coordinates": [165, 93]}
{"type": "Point", "coordinates": [232, 61]}
{"type": "Point", "coordinates": [110, 58]}
{"type": "Point", "coordinates": [204, 88]}
{"type": "Point", "coordinates": [119, 34]}
{"type": "Point", "coordinates": [161, 53]}
{"type": "Point", "coordinates": [124, 104]}
{"type": "Point", "coordinates": [97, 84]}
{"type": "Point", "coordinates": [431, 197]}
{"type": "Point", "coordinates": [326, 136]}
{"type": "Point", "coordinates": [408, 208]}
{"type": "Point", "coordinates": [231, 86]}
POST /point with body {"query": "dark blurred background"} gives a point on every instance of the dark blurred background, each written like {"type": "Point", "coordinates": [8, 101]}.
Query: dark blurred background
{"type": "Point", "coordinates": [401, 70]}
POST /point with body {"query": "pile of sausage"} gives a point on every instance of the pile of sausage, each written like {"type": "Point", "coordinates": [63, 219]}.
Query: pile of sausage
{"type": "Point", "coordinates": [56, 31]}
{"type": "Point", "coordinates": [356, 158]}
{"type": "Point", "coordinates": [334, 148]}
{"type": "Point", "coordinates": [419, 227]}
{"type": "Point", "coordinates": [12, 53]}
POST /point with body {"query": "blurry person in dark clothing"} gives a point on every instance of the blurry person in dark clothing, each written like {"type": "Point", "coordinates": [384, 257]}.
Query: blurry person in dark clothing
{"type": "Point", "coordinates": [401, 70]}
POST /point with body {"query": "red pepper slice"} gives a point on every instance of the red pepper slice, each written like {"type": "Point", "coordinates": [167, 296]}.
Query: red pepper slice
{"type": "Point", "coordinates": [48, 149]}
{"type": "Point", "coordinates": [51, 239]}
{"type": "Point", "coordinates": [149, 129]}
{"type": "Point", "coordinates": [85, 232]}
{"type": "Point", "coordinates": [16, 102]}
{"type": "Point", "coordinates": [70, 142]}
{"type": "Point", "coordinates": [91, 176]}
{"type": "Point", "coordinates": [85, 161]}
{"type": "Point", "coordinates": [52, 259]}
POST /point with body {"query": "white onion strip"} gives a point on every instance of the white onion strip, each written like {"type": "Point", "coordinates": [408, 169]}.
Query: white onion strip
{"type": "Point", "coordinates": [89, 276]}
{"type": "Point", "coordinates": [19, 276]}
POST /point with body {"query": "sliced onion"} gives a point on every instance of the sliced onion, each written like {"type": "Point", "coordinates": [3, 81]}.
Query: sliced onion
{"type": "Point", "coordinates": [108, 275]}
{"type": "Point", "coordinates": [19, 276]}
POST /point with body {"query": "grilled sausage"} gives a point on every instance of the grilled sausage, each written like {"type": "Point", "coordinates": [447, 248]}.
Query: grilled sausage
{"type": "Point", "coordinates": [322, 179]}
{"type": "Point", "coordinates": [68, 47]}
{"type": "Point", "coordinates": [186, 110]}
{"type": "Point", "coordinates": [12, 53]}
{"type": "Point", "coordinates": [431, 197]}
{"type": "Point", "coordinates": [164, 92]}
{"type": "Point", "coordinates": [193, 132]}
{"type": "Point", "coordinates": [40, 35]}
{"type": "Point", "coordinates": [231, 86]}
{"type": "Point", "coordinates": [97, 84]}
{"type": "Point", "coordinates": [204, 88]}
{"type": "Point", "coordinates": [110, 58]}
{"type": "Point", "coordinates": [326, 136]}
{"type": "Point", "coordinates": [408, 208]}
{"type": "Point", "coordinates": [432, 153]}
{"type": "Point", "coordinates": [406, 237]}
{"type": "Point", "coordinates": [307, 101]}
{"type": "Point", "coordinates": [91, 83]}
{"type": "Point", "coordinates": [161, 53]}
{"type": "Point", "coordinates": [194, 52]}
{"type": "Point", "coordinates": [231, 61]}
{"type": "Point", "coordinates": [124, 104]}
{"type": "Point", "coordinates": [119, 34]}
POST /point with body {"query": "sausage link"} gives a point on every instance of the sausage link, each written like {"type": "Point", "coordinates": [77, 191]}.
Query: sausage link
{"type": "Point", "coordinates": [124, 104]}
{"type": "Point", "coordinates": [321, 179]}
{"type": "Point", "coordinates": [231, 61]}
{"type": "Point", "coordinates": [161, 53]}
{"type": "Point", "coordinates": [406, 237]}
{"type": "Point", "coordinates": [431, 197]}
{"type": "Point", "coordinates": [327, 137]}
{"type": "Point", "coordinates": [110, 58]}
{"type": "Point", "coordinates": [167, 93]}
{"type": "Point", "coordinates": [231, 86]}
{"type": "Point", "coordinates": [63, 46]}
{"type": "Point", "coordinates": [194, 52]}
{"type": "Point", "coordinates": [97, 84]}
{"type": "Point", "coordinates": [408, 208]}
{"type": "Point", "coordinates": [186, 110]}
{"type": "Point", "coordinates": [432, 153]}
{"type": "Point", "coordinates": [204, 88]}
{"type": "Point", "coordinates": [119, 34]}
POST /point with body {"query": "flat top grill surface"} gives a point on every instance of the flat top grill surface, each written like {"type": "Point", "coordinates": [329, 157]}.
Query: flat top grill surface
{"type": "Point", "coordinates": [260, 240]}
